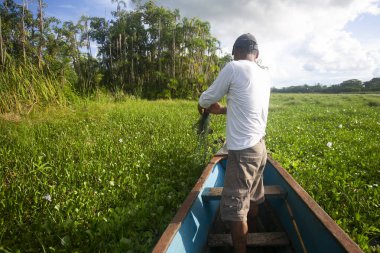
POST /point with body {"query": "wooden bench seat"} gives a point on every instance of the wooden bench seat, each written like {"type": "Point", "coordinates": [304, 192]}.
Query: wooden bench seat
{"type": "Point", "coordinates": [253, 239]}
{"type": "Point", "coordinates": [215, 193]}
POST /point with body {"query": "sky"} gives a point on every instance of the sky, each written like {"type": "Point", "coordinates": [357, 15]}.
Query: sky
{"type": "Point", "coordinates": [301, 41]}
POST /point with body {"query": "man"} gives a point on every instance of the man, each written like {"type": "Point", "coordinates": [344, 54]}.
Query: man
{"type": "Point", "coordinates": [247, 86]}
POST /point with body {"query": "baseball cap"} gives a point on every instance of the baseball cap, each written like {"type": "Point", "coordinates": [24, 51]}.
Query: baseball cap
{"type": "Point", "coordinates": [246, 41]}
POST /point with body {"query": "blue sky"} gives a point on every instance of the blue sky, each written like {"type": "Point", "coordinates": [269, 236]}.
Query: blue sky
{"type": "Point", "coordinates": [365, 28]}
{"type": "Point", "coordinates": [302, 41]}
{"type": "Point", "coordinates": [72, 10]}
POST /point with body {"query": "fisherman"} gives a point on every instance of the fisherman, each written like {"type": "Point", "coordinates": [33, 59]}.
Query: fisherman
{"type": "Point", "coordinates": [247, 85]}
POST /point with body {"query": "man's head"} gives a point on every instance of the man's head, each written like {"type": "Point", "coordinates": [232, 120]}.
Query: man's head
{"type": "Point", "coordinates": [245, 47]}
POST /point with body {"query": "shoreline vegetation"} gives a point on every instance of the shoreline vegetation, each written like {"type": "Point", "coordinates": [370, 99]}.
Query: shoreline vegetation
{"type": "Point", "coordinates": [353, 86]}
{"type": "Point", "coordinates": [148, 52]}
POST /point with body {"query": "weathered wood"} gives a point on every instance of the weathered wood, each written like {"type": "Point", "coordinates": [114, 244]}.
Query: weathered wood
{"type": "Point", "coordinates": [275, 191]}
{"type": "Point", "coordinates": [215, 193]}
{"type": "Point", "coordinates": [222, 152]}
{"type": "Point", "coordinates": [253, 239]}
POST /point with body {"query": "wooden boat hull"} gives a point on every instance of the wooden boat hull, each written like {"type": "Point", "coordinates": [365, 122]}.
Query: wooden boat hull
{"type": "Point", "coordinates": [188, 231]}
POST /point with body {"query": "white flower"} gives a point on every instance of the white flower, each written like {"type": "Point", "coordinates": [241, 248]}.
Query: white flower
{"type": "Point", "coordinates": [47, 197]}
{"type": "Point", "coordinates": [340, 126]}
{"type": "Point", "coordinates": [121, 140]}
{"type": "Point", "coordinates": [329, 144]}
{"type": "Point", "coordinates": [112, 183]}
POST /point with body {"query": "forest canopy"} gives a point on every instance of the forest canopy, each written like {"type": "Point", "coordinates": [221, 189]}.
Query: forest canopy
{"type": "Point", "coordinates": [148, 52]}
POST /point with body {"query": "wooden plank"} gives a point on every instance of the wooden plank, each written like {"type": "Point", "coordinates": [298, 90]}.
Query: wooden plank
{"type": "Point", "coordinates": [274, 191]}
{"type": "Point", "coordinates": [215, 193]}
{"type": "Point", "coordinates": [253, 239]}
{"type": "Point", "coordinates": [222, 152]}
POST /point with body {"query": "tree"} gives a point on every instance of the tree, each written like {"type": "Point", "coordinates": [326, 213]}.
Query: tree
{"type": "Point", "coordinates": [352, 85]}
{"type": "Point", "coordinates": [149, 51]}
{"type": "Point", "coordinates": [372, 85]}
{"type": "Point", "coordinates": [41, 30]}
{"type": "Point", "coordinates": [2, 48]}
{"type": "Point", "coordinates": [23, 32]}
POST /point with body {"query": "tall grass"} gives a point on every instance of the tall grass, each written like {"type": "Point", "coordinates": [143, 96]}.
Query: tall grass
{"type": "Point", "coordinates": [24, 86]}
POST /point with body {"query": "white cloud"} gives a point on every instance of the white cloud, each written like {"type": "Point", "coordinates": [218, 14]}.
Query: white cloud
{"type": "Point", "coordinates": [303, 41]}
{"type": "Point", "coordinates": [333, 53]}
{"type": "Point", "coordinates": [376, 72]}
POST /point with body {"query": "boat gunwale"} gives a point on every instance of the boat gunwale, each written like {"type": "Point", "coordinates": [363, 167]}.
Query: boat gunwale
{"type": "Point", "coordinates": [175, 224]}
{"type": "Point", "coordinates": [337, 232]}
{"type": "Point", "coordinates": [345, 241]}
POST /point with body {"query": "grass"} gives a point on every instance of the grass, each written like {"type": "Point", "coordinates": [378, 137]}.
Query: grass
{"type": "Point", "coordinates": [106, 176]}
{"type": "Point", "coordinates": [24, 87]}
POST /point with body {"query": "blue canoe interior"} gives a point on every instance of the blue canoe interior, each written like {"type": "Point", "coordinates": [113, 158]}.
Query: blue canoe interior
{"type": "Point", "coordinates": [289, 219]}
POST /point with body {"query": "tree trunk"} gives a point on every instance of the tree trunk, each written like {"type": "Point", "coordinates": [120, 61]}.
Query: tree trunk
{"type": "Point", "coordinates": [119, 58]}
{"type": "Point", "coordinates": [1, 46]}
{"type": "Point", "coordinates": [173, 45]}
{"type": "Point", "coordinates": [41, 27]}
{"type": "Point", "coordinates": [159, 46]}
{"type": "Point", "coordinates": [89, 53]}
{"type": "Point", "coordinates": [132, 62]}
{"type": "Point", "coordinates": [110, 55]}
{"type": "Point", "coordinates": [90, 72]}
{"type": "Point", "coordinates": [23, 40]}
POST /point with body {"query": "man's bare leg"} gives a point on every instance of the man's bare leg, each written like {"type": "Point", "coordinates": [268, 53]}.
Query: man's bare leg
{"type": "Point", "coordinates": [252, 214]}
{"type": "Point", "coordinates": [239, 231]}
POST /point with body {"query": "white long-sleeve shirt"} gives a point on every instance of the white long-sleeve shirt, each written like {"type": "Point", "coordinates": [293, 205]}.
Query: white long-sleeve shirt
{"type": "Point", "coordinates": [247, 86]}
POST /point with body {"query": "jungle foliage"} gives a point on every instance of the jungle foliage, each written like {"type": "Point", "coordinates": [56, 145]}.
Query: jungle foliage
{"type": "Point", "coordinates": [147, 51]}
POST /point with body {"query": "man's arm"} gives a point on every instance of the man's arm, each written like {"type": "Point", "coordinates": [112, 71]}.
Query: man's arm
{"type": "Point", "coordinates": [217, 90]}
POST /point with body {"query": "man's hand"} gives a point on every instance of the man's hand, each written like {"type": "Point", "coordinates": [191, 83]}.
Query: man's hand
{"type": "Point", "coordinates": [201, 110]}
{"type": "Point", "coordinates": [217, 109]}
{"type": "Point", "coordinates": [214, 109]}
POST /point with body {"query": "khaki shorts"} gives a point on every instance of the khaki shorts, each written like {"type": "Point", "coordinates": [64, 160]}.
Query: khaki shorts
{"type": "Point", "coordinates": [243, 182]}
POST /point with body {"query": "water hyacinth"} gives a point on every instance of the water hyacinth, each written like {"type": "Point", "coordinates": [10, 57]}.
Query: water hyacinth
{"type": "Point", "coordinates": [159, 141]}
{"type": "Point", "coordinates": [47, 197]}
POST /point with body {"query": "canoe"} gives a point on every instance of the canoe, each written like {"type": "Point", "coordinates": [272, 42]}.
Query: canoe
{"type": "Point", "coordinates": [297, 223]}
